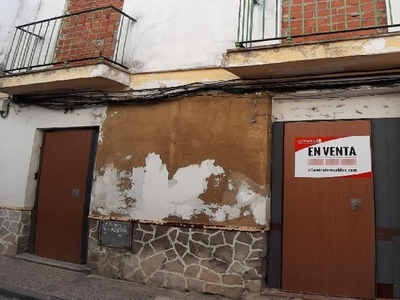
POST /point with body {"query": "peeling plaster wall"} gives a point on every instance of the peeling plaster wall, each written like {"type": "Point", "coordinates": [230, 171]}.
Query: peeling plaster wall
{"type": "Point", "coordinates": [355, 107]}
{"type": "Point", "coordinates": [171, 35]}
{"type": "Point", "coordinates": [172, 79]}
{"type": "Point", "coordinates": [196, 160]}
{"type": "Point", "coordinates": [20, 147]}
{"type": "Point", "coordinates": [19, 12]}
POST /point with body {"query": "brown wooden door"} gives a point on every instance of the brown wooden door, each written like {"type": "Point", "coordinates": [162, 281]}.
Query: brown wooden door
{"type": "Point", "coordinates": [328, 246]}
{"type": "Point", "coordinates": [61, 194]}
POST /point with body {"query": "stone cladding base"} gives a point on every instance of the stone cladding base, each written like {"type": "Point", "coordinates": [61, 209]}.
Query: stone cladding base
{"type": "Point", "coordinates": [14, 231]}
{"type": "Point", "coordinates": [214, 261]}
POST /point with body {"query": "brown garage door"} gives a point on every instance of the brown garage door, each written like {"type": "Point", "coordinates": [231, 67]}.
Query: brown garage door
{"type": "Point", "coordinates": [328, 243]}
{"type": "Point", "coordinates": [62, 194]}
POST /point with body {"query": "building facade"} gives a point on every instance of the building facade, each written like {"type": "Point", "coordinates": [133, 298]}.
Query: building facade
{"type": "Point", "coordinates": [216, 147]}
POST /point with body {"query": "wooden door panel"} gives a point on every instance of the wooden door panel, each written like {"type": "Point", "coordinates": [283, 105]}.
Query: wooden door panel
{"type": "Point", "coordinates": [328, 248]}
{"type": "Point", "coordinates": [61, 194]}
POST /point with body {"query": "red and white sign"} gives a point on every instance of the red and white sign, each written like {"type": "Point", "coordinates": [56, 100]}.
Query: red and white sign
{"type": "Point", "coordinates": [321, 157]}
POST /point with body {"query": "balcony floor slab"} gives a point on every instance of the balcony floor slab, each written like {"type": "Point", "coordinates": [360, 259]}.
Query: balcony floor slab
{"type": "Point", "coordinates": [333, 57]}
{"type": "Point", "coordinates": [96, 77]}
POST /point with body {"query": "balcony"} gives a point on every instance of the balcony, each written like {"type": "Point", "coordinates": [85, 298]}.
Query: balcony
{"type": "Point", "coordinates": [78, 51]}
{"type": "Point", "coordinates": [281, 38]}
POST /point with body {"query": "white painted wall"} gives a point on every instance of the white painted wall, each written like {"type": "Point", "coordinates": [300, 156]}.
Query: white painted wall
{"type": "Point", "coordinates": [19, 12]}
{"type": "Point", "coordinates": [20, 146]}
{"type": "Point", "coordinates": [320, 107]}
{"type": "Point", "coordinates": [169, 35]}
{"type": "Point", "coordinates": [180, 34]}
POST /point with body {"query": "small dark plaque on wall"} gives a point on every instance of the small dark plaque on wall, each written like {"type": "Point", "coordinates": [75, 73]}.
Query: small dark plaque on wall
{"type": "Point", "coordinates": [115, 234]}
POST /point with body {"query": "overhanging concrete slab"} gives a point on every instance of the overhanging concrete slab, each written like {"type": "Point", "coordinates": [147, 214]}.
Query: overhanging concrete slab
{"type": "Point", "coordinates": [333, 57]}
{"type": "Point", "coordinates": [97, 77]}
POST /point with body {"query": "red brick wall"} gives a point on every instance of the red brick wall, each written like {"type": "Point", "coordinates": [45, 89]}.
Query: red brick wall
{"type": "Point", "coordinates": [88, 35]}
{"type": "Point", "coordinates": [317, 17]}
{"type": "Point", "coordinates": [80, 5]}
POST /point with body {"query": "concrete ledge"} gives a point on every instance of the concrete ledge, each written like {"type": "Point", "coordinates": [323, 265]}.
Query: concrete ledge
{"type": "Point", "coordinates": [53, 263]}
{"type": "Point", "coordinates": [97, 77]}
{"type": "Point", "coordinates": [330, 57]}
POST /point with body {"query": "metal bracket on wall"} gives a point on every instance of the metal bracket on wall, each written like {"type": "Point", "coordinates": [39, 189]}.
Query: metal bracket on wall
{"type": "Point", "coordinates": [356, 204]}
{"type": "Point", "coordinates": [4, 107]}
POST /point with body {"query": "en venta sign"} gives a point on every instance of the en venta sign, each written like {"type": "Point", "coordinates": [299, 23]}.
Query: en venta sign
{"type": "Point", "coordinates": [325, 157]}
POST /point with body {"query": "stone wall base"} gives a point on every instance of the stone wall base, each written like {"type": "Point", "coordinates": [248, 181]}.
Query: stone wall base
{"type": "Point", "coordinates": [199, 260]}
{"type": "Point", "coordinates": [14, 231]}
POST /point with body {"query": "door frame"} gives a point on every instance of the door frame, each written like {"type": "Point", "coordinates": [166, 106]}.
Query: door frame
{"type": "Point", "coordinates": [274, 256]}
{"type": "Point", "coordinates": [275, 234]}
{"type": "Point", "coordinates": [89, 183]}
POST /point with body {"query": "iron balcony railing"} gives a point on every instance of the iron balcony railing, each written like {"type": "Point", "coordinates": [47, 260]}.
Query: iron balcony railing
{"type": "Point", "coordinates": [266, 22]}
{"type": "Point", "coordinates": [94, 35]}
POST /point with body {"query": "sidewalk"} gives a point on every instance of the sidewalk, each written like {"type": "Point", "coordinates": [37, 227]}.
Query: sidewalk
{"type": "Point", "coordinates": [20, 279]}
{"type": "Point", "coordinates": [26, 280]}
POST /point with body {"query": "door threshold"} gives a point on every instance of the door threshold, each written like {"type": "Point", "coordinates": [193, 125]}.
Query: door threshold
{"type": "Point", "coordinates": [53, 263]}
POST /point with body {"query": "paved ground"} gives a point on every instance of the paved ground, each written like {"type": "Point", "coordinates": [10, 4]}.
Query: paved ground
{"type": "Point", "coordinates": [27, 280]}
